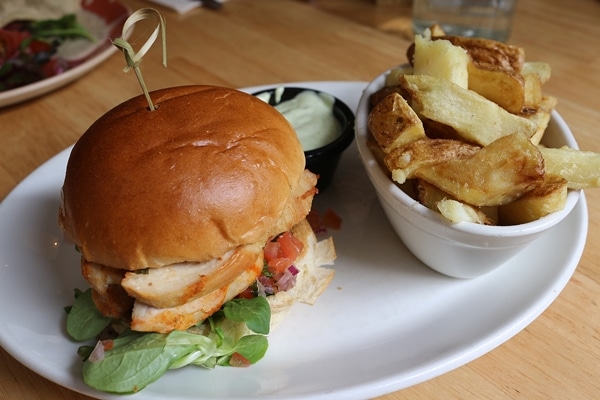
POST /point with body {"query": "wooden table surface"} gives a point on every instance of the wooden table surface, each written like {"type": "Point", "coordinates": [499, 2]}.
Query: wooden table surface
{"type": "Point", "coordinates": [259, 42]}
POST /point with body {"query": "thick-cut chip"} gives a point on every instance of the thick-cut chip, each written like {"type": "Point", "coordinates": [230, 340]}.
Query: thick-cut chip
{"type": "Point", "coordinates": [549, 197]}
{"type": "Point", "coordinates": [494, 70]}
{"type": "Point", "coordinates": [456, 211]}
{"type": "Point", "coordinates": [477, 119]}
{"type": "Point", "coordinates": [540, 116]}
{"type": "Point", "coordinates": [404, 161]}
{"type": "Point", "coordinates": [489, 54]}
{"type": "Point", "coordinates": [391, 78]}
{"type": "Point", "coordinates": [384, 92]}
{"type": "Point", "coordinates": [581, 169]}
{"type": "Point", "coordinates": [393, 123]}
{"type": "Point", "coordinates": [535, 74]}
{"type": "Point", "coordinates": [453, 210]}
{"type": "Point", "coordinates": [541, 69]}
{"type": "Point", "coordinates": [503, 88]}
{"type": "Point", "coordinates": [532, 92]}
{"type": "Point", "coordinates": [438, 130]}
{"type": "Point", "coordinates": [442, 59]}
{"type": "Point", "coordinates": [378, 153]}
{"type": "Point", "coordinates": [497, 174]}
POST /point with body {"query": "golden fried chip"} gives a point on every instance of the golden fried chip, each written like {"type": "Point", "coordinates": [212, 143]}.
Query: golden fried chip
{"type": "Point", "coordinates": [497, 174]}
{"type": "Point", "coordinates": [532, 92]}
{"type": "Point", "coordinates": [405, 160]}
{"type": "Point", "coordinates": [540, 116]}
{"type": "Point", "coordinates": [384, 92]}
{"type": "Point", "coordinates": [453, 210]}
{"type": "Point", "coordinates": [549, 197]}
{"type": "Point", "coordinates": [391, 78]}
{"type": "Point", "coordinates": [442, 59]}
{"type": "Point", "coordinates": [475, 118]}
{"type": "Point", "coordinates": [541, 69]}
{"type": "Point", "coordinates": [495, 70]}
{"type": "Point", "coordinates": [581, 169]}
{"type": "Point", "coordinates": [393, 123]}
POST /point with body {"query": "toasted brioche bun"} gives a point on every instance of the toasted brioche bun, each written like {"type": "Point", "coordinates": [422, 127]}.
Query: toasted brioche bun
{"type": "Point", "coordinates": [190, 192]}
{"type": "Point", "coordinates": [210, 170]}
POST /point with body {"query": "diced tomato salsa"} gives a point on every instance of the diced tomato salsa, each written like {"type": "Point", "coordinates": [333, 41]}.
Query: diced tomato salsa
{"type": "Point", "coordinates": [279, 270]}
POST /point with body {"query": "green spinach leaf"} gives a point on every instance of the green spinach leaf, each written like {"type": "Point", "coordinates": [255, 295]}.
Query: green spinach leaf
{"type": "Point", "coordinates": [84, 321]}
{"type": "Point", "coordinates": [255, 313]}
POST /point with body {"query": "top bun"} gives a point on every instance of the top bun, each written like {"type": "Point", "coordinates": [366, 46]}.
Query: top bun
{"type": "Point", "coordinates": [210, 169]}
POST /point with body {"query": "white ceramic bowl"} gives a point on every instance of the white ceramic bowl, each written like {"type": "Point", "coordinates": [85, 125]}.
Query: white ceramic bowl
{"type": "Point", "coordinates": [461, 250]}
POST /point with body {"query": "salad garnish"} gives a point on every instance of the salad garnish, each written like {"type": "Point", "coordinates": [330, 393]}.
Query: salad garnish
{"type": "Point", "coordinates": [119, 360]}
{"type": "Point", "coordinates": [123, 361]}
{"type": "Point", "coordinates": [28, 49]}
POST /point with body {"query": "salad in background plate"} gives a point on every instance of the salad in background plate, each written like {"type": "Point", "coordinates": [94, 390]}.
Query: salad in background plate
{"type": "Point", "coordinates": [39, 54]}
{"type": "Point", "coordinates": [33, 50]}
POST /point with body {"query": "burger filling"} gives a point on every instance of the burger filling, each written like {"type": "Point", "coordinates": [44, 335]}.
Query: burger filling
{"type": "Point", "coordinates": [279, 272]}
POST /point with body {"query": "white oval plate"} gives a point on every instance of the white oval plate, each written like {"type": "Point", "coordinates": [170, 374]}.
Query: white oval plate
{"type": "Point", "coordinates": [113, 15]}
{"type": "Point", "coordinates": [386, 322]}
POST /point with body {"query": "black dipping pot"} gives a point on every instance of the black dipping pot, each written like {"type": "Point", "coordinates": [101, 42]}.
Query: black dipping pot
{"type": "Point", "coordinates": [324, 160]}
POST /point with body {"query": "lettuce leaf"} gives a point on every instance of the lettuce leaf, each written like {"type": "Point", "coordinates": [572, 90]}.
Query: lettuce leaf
{"type": "Point", "coordinates": [136, 359]}
{"type": "Point", "coordinates": [84, 321]}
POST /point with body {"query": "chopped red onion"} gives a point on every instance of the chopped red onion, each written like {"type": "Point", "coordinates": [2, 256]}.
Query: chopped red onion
{"type": "Point", "coordinates": [261, 288]}
{"type": "Point", "coordinates": [97, 354]}
{"type": "Point", "coordinates": [293, 270]}
{"type": "Point", "coordinates": [288, 279]}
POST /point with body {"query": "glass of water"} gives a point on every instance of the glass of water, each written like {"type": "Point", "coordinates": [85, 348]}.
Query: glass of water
{"type": "Point", "coordinates": [475, 18]}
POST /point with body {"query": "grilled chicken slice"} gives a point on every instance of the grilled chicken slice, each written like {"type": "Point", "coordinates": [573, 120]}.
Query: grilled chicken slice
{"type": "Point", "coordinates": [146, 318]}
